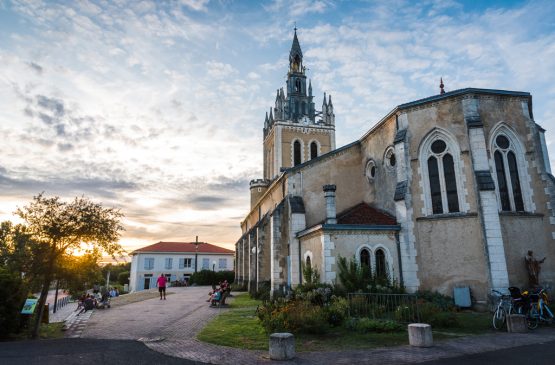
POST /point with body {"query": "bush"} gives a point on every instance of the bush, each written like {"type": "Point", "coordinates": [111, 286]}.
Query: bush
{"type": "Point", "coordinates": [209, 277]}
{"type": "Point", "coordinates": [317, 294]}
{"type": "Point", "coordinates": [295, 316]}
{"type": "Point", "coordinates": [12, 299]}
{"type": "Point", "coordinates": [337, 310]}
{"type": "Point", "coordinates": [441, 301]}
{"type": "Point", "coordinates": [263, 292]}
{"type": "Point", "coordinates": [365, 325]}
{"type": "Point", "coordinates": [355, 277]}
{"type": "Point", "coordinates": [437, 317]}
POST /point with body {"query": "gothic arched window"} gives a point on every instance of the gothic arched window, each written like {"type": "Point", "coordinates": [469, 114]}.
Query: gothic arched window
{"type": "Point", "coordinates": [440, 166]}
{"type": "Point", "coordinates": [365, 257]}
{"type": "Point", "coordinates": [507, 173]}
{"type": "Point", "coordinates": [308, 263]}
{"type": "Point", "coordinates": [296, 153]}
{"type": "Point", "coordinates": [381, 270]}
{"type": "Point", "coordinates": [298, 85]}
{"type": "Point", "coordinates": [313, 150]}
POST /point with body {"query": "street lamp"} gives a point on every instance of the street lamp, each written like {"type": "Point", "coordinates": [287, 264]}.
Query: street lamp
{"type": "Point", "coordinates": [196, 253]}
{"type": "Point", "coordinates": [213, 265]}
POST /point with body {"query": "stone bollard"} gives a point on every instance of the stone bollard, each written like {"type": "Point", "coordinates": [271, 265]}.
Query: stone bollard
{"type": "Point", "coordinates": [420, 335]}
{"type": "Point", "coordinates": [516, 323]}
{"type": "Point", "coordinates": [282, 346]}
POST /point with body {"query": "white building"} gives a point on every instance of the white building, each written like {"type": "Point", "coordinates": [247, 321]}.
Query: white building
{"type": "Point", "coordinates": [176, 260]}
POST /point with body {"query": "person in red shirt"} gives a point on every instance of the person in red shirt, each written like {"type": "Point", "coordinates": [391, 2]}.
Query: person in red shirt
{"type": "Point", "coordinates": [161, 284]}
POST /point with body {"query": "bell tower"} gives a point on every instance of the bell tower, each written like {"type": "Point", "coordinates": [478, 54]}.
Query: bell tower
{"type": "Point", "coordinates": [294, 131]}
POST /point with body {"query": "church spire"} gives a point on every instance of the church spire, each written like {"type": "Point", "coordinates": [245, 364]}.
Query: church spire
{"type": "Point", "coordinates": [296, 55]}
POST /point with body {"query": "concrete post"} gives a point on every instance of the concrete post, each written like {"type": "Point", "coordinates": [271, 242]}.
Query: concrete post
{"type": "Point", "coordinates": [420, 335]}
{"type": "Point", "coordinates": [516, 323]}
{"type": "Point", "coordinates": [282, 346]}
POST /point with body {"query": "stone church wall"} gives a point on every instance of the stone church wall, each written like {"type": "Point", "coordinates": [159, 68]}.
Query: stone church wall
{"type": "Point", "coordinates": [520, 234]}
{"type": "Point", "coordinates": [379, 192]}
{"type": "Point", "coordinates": [451, 255]}
{"type": "Point", "coordinates": [341, 169]}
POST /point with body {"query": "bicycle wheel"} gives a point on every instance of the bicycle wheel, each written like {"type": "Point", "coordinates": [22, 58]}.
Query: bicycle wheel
{"type": "Point", "coordinates": [499, 318]}
{"type": "Point", "coordinates": [533, 318]}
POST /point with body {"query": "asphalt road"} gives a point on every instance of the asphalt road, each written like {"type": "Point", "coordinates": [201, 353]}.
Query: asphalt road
{"type": "Point", "coordinates": [69, 351]}
{"type": "Point", "coordinates": [539, 354]}
{"type": "Point", "coordinates": [92, 351]}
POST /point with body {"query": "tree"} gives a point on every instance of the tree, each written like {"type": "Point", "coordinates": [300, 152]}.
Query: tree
{"type": "Point", "coordinates": [60, 228]}
{"type": "Point", "coordinates": [77, 273]}
{"type": "Point", "coordinates": [123, 277]}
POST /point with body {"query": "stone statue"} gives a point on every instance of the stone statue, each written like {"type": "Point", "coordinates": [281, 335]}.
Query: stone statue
{"type": "Point", "coordinates": [533, 267]}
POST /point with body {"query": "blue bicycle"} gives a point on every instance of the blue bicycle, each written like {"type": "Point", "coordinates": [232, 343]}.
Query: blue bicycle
{"type": "Point", "coordinates": [539, 311]}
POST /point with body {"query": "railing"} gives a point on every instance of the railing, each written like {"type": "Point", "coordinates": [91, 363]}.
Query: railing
{"type": "Point", "coordinates": [401, 308]}
{"type": "Point", "coordinates": [61, 303]}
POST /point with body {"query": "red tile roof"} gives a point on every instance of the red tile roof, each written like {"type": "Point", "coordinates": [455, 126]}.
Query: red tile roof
{"type": "Point", "coordinates": [365, 214]}
{"type": "Point", "coordinates": [189, 247]}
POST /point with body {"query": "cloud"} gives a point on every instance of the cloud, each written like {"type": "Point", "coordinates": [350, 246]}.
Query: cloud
{"type": "Point", "coordinates": [197, 5]}
{"type": "Point", "coordinates": [36, 67]}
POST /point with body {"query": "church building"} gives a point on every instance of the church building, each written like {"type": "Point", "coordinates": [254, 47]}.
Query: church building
{"type": "Point", "coordinates": [448, 191]}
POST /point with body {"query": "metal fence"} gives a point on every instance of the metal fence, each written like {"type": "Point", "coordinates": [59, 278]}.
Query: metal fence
{"type": "Point", "coordinates": [401, 308]}
{"type": "Point", "coordinates": [61, 303]}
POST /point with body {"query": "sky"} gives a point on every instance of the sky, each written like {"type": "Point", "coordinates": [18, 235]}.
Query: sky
{"type": "Point", "coordinates": [157, 107]}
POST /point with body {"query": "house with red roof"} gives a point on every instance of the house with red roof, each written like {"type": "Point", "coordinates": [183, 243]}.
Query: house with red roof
{"type": "Point", "coordinates": [177, 261]}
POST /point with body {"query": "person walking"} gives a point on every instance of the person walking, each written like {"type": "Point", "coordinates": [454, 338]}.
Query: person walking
{"type": "Point", "coordinates": [161, 283]}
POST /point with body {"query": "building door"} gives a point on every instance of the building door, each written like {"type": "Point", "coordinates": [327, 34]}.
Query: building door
{"type": "Point", "coordinates": [147, 283]}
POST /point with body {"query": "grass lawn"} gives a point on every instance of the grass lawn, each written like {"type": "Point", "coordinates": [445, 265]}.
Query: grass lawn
{"type": "Point", "coordinates": [239, 327]}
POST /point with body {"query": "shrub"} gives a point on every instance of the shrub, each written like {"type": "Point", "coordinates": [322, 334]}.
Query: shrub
{"type": "Point", "coordinates": [365, 325]}
{"type": "Point", "coordinates": [337, 310]}
{"type": "Point", "coordinates": [263, 292]}
{"type": "Point", "coordinates": [12, 298]}
{"type": "Point", "coordinates": [434, 315]}
{"type": "Point", "coordinates": [209, 277]}
{"type": "Point", "coordinates": [355, 277]}
{"type": "Point", "coordinates": [295, 316]}
{"type": "Point", "coordinates": [318, 294]}
{"type": "Point", "coordinates": [444, 302]}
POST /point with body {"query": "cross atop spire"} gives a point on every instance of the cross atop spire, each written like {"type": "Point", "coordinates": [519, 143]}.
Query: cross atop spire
{"type": "Point", "coordinates": [441, 91]}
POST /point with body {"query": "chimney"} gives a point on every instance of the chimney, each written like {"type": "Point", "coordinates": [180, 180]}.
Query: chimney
{"type": "Point", "coordinates": [329, 194]}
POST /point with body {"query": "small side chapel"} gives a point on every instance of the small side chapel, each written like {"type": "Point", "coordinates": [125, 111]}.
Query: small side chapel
{"type": "Point", "coordinates": [447, 191]}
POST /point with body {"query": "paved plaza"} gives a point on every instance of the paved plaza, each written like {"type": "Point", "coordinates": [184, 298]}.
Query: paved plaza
{"type": "Point", "coordinates": [170, 326]}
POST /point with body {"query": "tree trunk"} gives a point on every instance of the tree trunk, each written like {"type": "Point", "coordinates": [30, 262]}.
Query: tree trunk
{"type": "Point", "coordinates": [42, 301]}
{"type": "Point", "coordinates": [48, 275]}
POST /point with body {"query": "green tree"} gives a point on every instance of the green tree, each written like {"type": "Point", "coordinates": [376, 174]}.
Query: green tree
{"type": "Point", "coordinates": [61, 227]}
{"type": "Point", "coordinates": [353, 276]}
{"type": "Point", "coordinates": [78, 273]}
{"type": "Point", "coordinates": [123, 277]}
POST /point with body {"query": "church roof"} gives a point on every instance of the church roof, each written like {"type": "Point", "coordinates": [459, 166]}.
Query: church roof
{"type": "Point", "coordinates": [183, 247]}
{"type": "Point", "coordinates": [366, 215]}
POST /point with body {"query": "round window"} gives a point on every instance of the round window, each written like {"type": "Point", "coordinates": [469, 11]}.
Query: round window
{"type": "Point", "coordinates": [390, 159]}
{"type": "Point", "coordinates": [438, 146]}
{"type": "Point", "coordinates": [370, 170]}
{"type": "Point", "coordinates": [502, 142]}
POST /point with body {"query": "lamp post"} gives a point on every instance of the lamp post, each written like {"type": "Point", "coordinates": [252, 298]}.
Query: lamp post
{"type": "Point", "coordinates": [196, 253]}
{"type": "Point", "coordinates": [213, 265]}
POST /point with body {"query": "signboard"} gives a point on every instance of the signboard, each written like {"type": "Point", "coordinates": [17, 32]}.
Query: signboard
{"type": "Point", "coordinates": [29, 306]}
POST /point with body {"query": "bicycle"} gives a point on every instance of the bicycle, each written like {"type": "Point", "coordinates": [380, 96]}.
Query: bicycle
{"type": "Point", "coordinates": [503, 308]}
{"type": "Point", "coordinates": [539, 310]}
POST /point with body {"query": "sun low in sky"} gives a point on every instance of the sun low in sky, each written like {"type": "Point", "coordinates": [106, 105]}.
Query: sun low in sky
{"type": "Point", "coordinates": [157, 107]}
